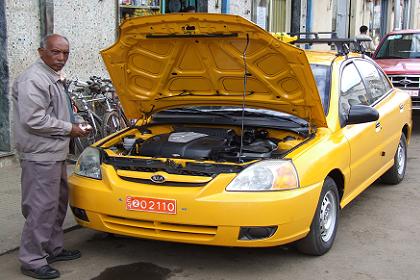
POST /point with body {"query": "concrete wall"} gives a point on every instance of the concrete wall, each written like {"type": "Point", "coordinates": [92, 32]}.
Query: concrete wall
{"type": "Point", "coordinates": [241, 8]}
{"type": "Point", "coordinates": [23, 36]}
{"type": "Point", "coordinates": [90, 26]}
{"type": "Point", "coordinates": [360, 15]}
{"type": "Point", "coordinates": [4, 85]}
{"type": "Point", "coordinates": [214, 6]}
{"type": "Point", "coordinates": [236, 7]}
{"type": "Point", "coordinates": [415, 14]}
{"type": "Point", "coordinates": [322, 11]}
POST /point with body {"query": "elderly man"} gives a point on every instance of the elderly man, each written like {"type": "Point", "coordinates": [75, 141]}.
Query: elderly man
{"type": "Point", "coordinates": [43, 127]}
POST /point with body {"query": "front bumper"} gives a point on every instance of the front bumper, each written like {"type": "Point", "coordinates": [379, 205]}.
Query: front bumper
{"type": "Point", "coordinates": [205, 215]}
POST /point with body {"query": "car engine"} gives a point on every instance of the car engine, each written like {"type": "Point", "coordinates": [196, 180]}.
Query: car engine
{"type": "Point", "coordinates": [218, 144]}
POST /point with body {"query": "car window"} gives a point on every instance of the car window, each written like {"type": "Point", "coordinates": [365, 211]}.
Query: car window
{"type": "Point", "coordinates": [376, 84]}
{"type": "Point", "coordinates": [322, 78]}
{"type": "Point", "coordinates": [387, 83]}
{"type": "Point", "coordinates": [352, 90]}
{"type": "Point", "coordinates": [400, 46]}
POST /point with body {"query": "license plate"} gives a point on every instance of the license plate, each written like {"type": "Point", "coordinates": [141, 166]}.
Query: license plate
{"type": "Point", "coordinates": [148, 204]}
{"type": "Point", "coordinates": [412, 92]}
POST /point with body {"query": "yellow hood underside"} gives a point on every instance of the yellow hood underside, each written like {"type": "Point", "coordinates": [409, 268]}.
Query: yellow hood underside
{"type": "Point", "coordinates": [174, 60]}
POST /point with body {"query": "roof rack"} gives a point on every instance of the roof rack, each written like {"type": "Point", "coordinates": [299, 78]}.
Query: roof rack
{"type": "Point", "coordinates": [343, 45]}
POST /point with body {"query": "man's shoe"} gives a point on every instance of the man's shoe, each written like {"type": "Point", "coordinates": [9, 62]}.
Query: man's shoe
{"type": "Point", "coordinates": [43, 272]}
{"type": "Point", "coordinates": [65, 255]}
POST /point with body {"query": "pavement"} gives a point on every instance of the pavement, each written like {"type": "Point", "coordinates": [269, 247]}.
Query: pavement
{"type": "Point", "coordinates": [11, 219]}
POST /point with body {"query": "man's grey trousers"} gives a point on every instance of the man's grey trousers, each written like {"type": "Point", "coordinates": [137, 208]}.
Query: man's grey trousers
{"type": "Point", "coordinates": [44, 206]}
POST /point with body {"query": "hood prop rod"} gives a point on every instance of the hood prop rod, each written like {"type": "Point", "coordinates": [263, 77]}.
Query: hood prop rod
{"type": "Point", "coordinates": [243, 99]}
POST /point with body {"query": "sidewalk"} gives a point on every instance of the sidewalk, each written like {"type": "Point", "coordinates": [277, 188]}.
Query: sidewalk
{"type": "Point", "coordinates": [11, 219]}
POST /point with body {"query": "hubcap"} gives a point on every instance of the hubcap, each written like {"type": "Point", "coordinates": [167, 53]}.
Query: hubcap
{"type": "Point", "coordinates": [400, 159]}
{"type": "Point", "coordinates": [328, 216]}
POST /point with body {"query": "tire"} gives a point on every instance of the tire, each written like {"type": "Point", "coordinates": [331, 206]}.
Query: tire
{"type": "Point", "coordinates": [325, 222]}
{"type": "Point", "coordinates": [396, 173]}
{"type": "Point", "coordinates": [112, 123]}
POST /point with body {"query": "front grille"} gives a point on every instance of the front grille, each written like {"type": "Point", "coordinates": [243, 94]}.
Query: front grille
{"type": "Point", "coordinates": [405, 81]}
{"type": "Point", "coordinates": [171, 167]}
{"type": "Point", "coordinates": [168, 183]}
{"type": "Point", "coordinates": [156, 229]}
{"type": "Point", "coordinates": [408, 82]}
{"type": "Point", "coordinates": [154, 170]}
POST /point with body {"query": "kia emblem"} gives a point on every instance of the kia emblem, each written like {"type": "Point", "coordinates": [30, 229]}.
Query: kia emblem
{"type": "Point", "coordinates": [159, 179]}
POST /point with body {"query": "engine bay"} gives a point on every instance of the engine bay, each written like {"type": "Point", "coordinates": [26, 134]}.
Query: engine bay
{"type": "Point", "coordinates": [218, 144]}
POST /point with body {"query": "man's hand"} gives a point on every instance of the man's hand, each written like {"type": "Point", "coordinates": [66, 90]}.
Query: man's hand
{"type": "Point", "coordinates": [77, 131]}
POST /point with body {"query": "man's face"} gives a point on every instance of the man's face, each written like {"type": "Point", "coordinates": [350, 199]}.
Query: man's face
{"type": "Point", "coordinates": [55, 53]}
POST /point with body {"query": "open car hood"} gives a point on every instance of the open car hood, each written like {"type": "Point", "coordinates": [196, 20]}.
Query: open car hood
{"type": "Point", "coordinates": [190, 59]}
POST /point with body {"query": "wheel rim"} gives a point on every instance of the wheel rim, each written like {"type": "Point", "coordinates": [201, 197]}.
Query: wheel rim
{"type": "Point", "coordinates": [112, 125]}
{"type": "Point", "coordinates": [328, 216]}
{"type": "Point", "coordinates": [400, 159]}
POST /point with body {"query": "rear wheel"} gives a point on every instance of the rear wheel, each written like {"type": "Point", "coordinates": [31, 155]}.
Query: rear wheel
{"type": "Point", "coordinates": [324, 224]}
{"type": "Point", "coordinates": [397, 172]}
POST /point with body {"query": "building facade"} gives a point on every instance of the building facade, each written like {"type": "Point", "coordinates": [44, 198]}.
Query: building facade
{"type": "Point", "coordinates": [92, 25]}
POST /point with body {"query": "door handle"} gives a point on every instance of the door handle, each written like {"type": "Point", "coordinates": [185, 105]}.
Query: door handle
{"type": "Point", "coordinates": [378, 126]}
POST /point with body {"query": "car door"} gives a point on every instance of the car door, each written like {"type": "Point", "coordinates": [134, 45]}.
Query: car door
{"type": "Point", "coordinates": [365, 153]}
{"type": "Point", "coordinates": [389, 106]}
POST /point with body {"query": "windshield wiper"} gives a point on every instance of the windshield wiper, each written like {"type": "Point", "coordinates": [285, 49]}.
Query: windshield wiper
{"type": "Point", "coordinates": [283, 117]}
{"type": "Point", "coordinates": [198, 111]}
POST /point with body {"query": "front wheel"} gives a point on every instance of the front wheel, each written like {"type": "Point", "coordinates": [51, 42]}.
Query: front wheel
{"type": "Point", "coordinates": [396, 173]}
{"type": "Point", "coordinates": [324, 224]}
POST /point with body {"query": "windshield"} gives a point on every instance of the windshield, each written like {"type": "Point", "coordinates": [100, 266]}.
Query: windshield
{"type": "Point", "coordinates": [400, 46]}
{"type": "Point", "coordinates": [322, 79]}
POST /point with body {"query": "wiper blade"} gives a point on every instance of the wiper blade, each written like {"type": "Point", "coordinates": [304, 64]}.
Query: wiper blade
{"type": "Point", "coordinates": [198, 111]}
{"type": "Point", "coordinates": [283, 117]}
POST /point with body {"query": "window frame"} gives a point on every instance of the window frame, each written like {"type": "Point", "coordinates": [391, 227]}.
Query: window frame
{"type": "Point", "coordinates": [381, 73]}
{"type": "Point", "coordinates": [345, 64]}
{"type": "Point", "coordinates": [328, 85]}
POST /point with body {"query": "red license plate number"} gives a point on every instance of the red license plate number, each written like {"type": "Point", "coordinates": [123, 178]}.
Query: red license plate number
{"type": "Point", "coordinates": [148, 204]}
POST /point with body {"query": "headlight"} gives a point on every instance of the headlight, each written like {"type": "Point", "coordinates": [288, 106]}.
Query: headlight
{"type": "Point", "coordinates": [268, 175]}
{"type": "Point", "coordinates": [89, 164]}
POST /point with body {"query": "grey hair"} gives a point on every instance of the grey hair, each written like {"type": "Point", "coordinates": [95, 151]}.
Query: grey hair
{"type": "Point", "coordinates": [45, 39]}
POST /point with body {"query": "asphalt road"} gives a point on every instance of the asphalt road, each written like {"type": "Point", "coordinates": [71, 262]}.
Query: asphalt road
{"type": "Point", "coordinates": [378, 238]}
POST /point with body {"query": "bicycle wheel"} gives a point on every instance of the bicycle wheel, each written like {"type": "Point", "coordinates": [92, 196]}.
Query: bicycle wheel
{"type": "Point", "coordinates": [79, 146]}
{"type": "Point", "coordinates": [96, 134]}
{"type": "Point", "coordinates": [112, 123]}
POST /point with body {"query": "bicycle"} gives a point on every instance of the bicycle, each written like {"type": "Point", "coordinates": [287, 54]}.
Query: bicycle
{"type": "Point", "coordinates": [95, 102]}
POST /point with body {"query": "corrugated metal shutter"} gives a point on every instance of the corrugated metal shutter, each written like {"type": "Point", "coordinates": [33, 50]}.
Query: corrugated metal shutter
{"type": "Point", "coordinates": [278, 16]}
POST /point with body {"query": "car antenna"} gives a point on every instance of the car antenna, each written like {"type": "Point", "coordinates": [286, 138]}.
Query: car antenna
{"type": "Point", "coordinates": [243, 98]}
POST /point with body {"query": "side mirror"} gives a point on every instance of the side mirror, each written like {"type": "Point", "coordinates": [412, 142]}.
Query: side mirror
{"type": "Point", "coordinates": [362, 114]}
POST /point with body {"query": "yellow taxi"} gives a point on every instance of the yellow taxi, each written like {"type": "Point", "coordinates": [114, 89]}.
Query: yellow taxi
{"type": "Point", "coordinates": [241, 140]}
